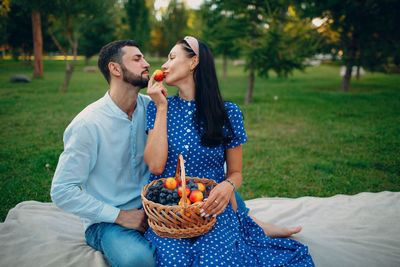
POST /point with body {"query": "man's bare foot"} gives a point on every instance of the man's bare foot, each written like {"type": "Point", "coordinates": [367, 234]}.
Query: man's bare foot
{"type": "Point", "coordinates": [274, 231]}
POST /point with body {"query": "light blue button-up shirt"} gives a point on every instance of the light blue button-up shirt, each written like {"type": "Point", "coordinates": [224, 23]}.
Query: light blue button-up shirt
{"type": "Point", "coordinates": [102, 169]}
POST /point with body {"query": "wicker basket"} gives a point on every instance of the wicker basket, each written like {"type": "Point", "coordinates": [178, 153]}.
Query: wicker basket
{"type": "Point", "coordinates": [177, 221]}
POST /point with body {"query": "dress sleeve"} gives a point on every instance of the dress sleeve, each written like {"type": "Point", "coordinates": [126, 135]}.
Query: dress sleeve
{"type": "Point", "coordinates": [151, 115]}
{"type": "Point", "coordinates": [236, 118]}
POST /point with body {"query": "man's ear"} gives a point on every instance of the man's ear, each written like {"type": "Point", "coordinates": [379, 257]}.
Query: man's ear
{"type": "Point", "coordinates": [195, 62]}
{"type": "Point", "coordinates": [115, 69]}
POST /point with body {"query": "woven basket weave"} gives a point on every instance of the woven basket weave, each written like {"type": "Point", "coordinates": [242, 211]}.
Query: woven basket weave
{"type": "Point", "coordinates": [178, 221]}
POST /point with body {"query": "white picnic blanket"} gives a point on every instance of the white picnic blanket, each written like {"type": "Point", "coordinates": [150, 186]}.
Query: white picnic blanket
{"type": "Point", "coordinates": [360, 230]}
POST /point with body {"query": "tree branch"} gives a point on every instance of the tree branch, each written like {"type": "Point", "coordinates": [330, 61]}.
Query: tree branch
{"type": "Point", "coordinates": [56, 42]}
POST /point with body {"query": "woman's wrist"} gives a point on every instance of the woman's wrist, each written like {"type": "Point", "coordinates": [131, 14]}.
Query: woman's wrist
{"type": "Point", "coordinates": [231, 183]}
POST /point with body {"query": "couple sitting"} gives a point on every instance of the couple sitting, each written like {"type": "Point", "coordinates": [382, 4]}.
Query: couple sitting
{"type": "Point", "coordinates": [124, 140]}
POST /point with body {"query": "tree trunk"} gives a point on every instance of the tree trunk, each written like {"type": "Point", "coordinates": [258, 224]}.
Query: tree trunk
{"type": "Point", "coordinates": [87, 61]}
{"type": "Point", "coordinates": [69, 69]}
{"type": "Point", "coordinates": [250, 85]}
{"type": "Point", "coordinates": [347, 77]}
{"type": "Point", "coordinates": [358, 73]}
{"type": "Point", "coordinates": [349, 66]}
{"type": "Point", "coordinates": [37, 45]}
{"type": "Point", "coordinates": [68, 74]}
{"type": "Point", "coordinates": [224, 66]}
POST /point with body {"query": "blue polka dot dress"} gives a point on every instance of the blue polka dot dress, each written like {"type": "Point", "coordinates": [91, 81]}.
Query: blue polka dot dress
{"type": "Point", "coordinates": [235, 239]}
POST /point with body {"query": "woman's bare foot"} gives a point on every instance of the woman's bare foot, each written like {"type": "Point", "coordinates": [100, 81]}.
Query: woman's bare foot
{"type": "Point", "coordinates": [275, 231]}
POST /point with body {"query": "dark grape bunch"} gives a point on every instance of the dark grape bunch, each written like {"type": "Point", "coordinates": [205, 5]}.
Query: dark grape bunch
{"type": "Point", "coordinates": [159, 194]}
{"type": "Point", "coordinates": [192, 185]}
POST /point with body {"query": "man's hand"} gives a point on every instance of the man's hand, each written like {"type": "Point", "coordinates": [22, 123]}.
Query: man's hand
{"type": "Point", "coordinates": [132, 219]}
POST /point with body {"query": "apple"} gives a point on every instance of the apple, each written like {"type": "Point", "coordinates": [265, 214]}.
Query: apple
{"type": "Point", "coordinates": [180, 191]}
{"type": "Point", "coordinates": [196, 196]}
{"type": "Point", "coordinates": [201, 187]}
{"type": "Point", "coordinates": [170, 183]}
{"type": "Point", "coordinates": [159, 75]}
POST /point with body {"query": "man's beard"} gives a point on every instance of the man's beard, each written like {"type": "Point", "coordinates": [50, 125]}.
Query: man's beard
{"type": "Point", "coordinates": [132, 78]}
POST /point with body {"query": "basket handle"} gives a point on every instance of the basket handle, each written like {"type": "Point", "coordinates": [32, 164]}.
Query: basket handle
{"type": "Point", "coordinates": [180, 173]}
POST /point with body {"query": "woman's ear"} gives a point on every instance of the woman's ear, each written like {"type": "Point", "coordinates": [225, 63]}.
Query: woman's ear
{"type": "Point", "coordinates": [194, 63]}
{"type": "Point", "coordinates": [115, 69]}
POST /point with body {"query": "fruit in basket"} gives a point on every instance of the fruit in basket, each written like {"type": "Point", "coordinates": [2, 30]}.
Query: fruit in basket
{"type": "Point", "coordinates": [201, 187]}
{"type": "Point", "coordinates": [159, 75]}
{"type": "Point", "coordinates": [192, 185]}
{"type": "Point", "coordinates": [170, 183]}
{"type": "Point", "coordinates": [180, 189]}
{"type": "Point", "coordinates": [180, 182]}
{"type": "Point", "coordinates": [196, 196]}
{"type": "Point", "coordinates": [181, 203]}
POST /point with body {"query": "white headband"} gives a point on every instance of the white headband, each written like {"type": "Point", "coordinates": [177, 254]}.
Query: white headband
{"type": "Point", "coordinates": [193, 43]}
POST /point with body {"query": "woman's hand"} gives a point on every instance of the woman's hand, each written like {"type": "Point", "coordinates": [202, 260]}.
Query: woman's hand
{"type": "Point", "coordinates": [221, 194]}
{"type": "Point", "coordinates": [217, 200]}
{"type": "Point", "coordinates": [157, 92]}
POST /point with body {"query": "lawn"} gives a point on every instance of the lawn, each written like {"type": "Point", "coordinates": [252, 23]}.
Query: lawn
{"type": "Point", "coordinates": [313, 140]}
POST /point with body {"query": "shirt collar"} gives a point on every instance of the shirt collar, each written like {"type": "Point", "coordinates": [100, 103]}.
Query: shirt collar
{"type": "Point", "coordinates": [191, 104]}
{"type": "Point", "coordinates": [114, 108]}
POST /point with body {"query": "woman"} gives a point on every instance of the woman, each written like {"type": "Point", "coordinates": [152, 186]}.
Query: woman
{"type": "Point", "coordinates": [207, 132]}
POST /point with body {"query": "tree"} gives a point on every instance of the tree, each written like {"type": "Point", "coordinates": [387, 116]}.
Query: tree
{"type": "Point", "coordinates": [138, 18]}
{"type": "Point", "coordinates": [367, 30]}
{"type": "Point", "coordinates": [271, 41]}
{"type": "Point", "coordinates": [72, 19]}
{"type": "Point", "coordinates": [221, 30]}
{"type": "Point", "coordinates": [4, 10]}
{"type": "Point", "coordinates": [172, 27]}
{"type": "Point", "coordinates": [19, 33]}
{"type": "Point", "coordinates": [35, 8]}
{"type": "Point", "coordinates": [91, 41]}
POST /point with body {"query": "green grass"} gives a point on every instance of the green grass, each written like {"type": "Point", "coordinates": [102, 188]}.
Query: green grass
{"type": "Point", "coordinates": [314, 140]}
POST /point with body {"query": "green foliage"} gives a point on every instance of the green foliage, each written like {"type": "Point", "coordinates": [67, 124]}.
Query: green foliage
{"type": "Point", "coordinates": [4, 10]}
{"type": "Point", "coordinates": [269, 33]}
{"type": "Point", "coordinates": [368, 32]}
{"type": "Point", "coordinates": [311, 141]}
{"type": "Point", "coordinates": [138, 18]}
{"type": "Point", "coordinates": [285, 46]}
{"type": "Point", "coordinates": [19, 29]}
{"type": "Point", "coordinates": [102, 31]}
{"type": "Point", "coordinates": [221, 31]}
{"type": "Point", "coordinates": [172, 27]}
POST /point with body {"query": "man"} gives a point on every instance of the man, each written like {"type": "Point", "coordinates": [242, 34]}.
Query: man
{"type": "Point", "coordinates": [101, 172]}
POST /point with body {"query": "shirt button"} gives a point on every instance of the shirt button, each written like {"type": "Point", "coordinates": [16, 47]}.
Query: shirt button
{"type": "Point", "coordinates": [186, 146]}
{"type": "Point", "coordinates": [189, 103]}
{"type": "Point", "coordinates": [190, 113]}
{"type": "Point", "coordinates": [188, 130]}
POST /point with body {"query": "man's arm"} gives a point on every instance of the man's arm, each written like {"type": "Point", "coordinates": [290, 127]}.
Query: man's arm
{"type": "Point", "coordinates": [75, 163]}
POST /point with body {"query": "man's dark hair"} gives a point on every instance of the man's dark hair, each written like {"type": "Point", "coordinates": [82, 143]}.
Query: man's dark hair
{"type": "Point", "coordinates": [112, 52]}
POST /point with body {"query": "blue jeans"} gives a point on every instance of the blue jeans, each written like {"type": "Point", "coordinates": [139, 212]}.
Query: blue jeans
{"type": "Point", "coordinates": [240, 203]}
{"type": "Point", "coordinates": [121, 246]}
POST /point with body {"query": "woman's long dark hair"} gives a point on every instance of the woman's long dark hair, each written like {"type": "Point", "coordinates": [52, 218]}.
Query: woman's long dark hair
{"type": "Point", "coordinates": [210, 108]}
